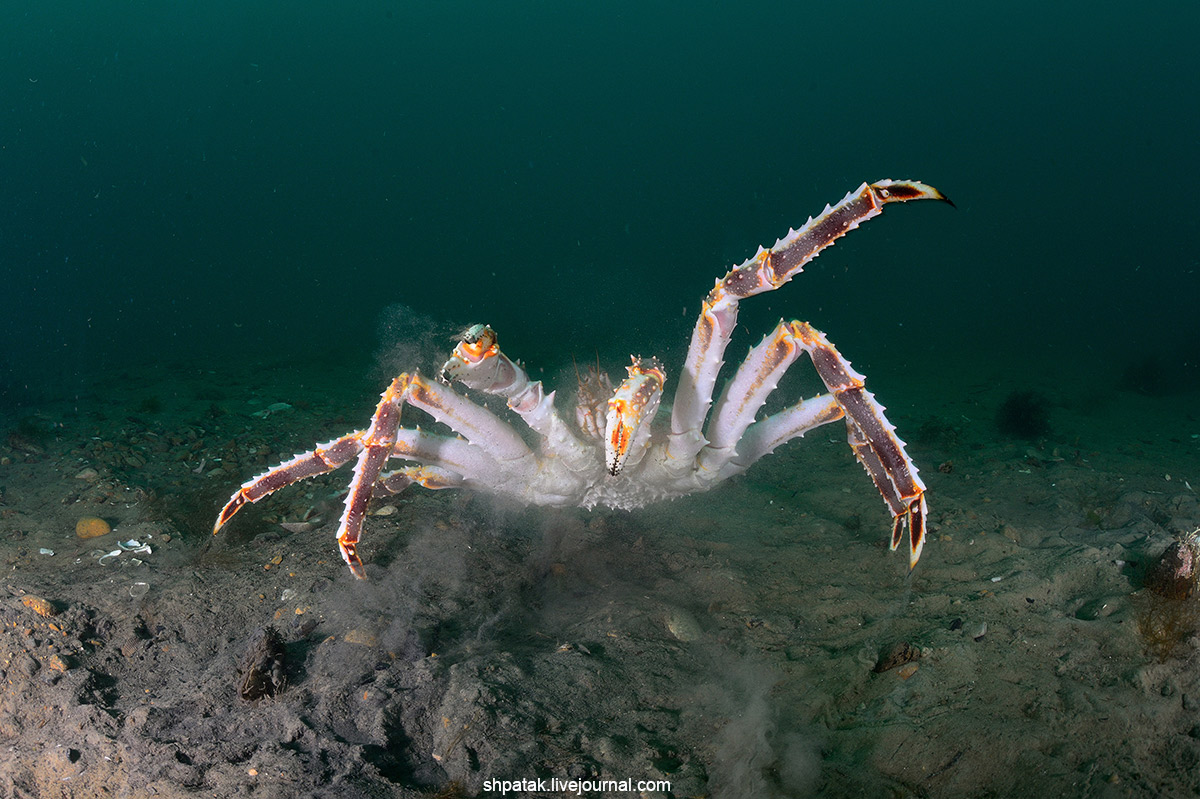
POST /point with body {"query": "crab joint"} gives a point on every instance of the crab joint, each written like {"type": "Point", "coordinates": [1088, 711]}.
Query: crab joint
{"type": "Point", "coordinates": [630, 411]}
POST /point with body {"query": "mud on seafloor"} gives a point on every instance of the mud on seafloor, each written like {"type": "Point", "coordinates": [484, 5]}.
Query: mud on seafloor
{"type": "Point", "coordinates": [729, 643]}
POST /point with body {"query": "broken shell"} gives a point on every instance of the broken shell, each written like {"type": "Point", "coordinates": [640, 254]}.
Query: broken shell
{"type": "Point", "coordinates": [116, 553]}
{"type": "Point", "coordinates": [138, 590]}
{"type": "Point", "coordinates": [980, 631]}
{"type": "Point", "coordinates": [682, 625]}
{"type": "Point", "coordinates": [89, 474]}
{"type": "Point", "coordinates": [130, 545]}
{"type": "Point", "coordinates": [386, 510]}
{"type": "Point", "coordinates": [45, 551]}
{"type": "Point", "coordinates": [298, 527]}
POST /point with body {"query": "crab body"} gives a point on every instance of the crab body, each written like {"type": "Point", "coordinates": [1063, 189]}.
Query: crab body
{"type": "Point", "coordinates": [610, 453]}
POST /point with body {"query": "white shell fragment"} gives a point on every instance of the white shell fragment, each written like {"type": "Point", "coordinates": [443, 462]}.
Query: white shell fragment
{"type": "Point", "coordinates": [116, 553]}
{"type": "Point", "coordinates": [44, 551]}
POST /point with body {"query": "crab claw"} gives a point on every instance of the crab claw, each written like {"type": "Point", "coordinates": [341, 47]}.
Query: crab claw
{"type": "Point", "coordinates": [630, 410]}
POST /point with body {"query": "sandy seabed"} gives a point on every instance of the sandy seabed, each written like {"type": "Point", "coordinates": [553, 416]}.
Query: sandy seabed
{"type": "Point", "coordinates": [722, 645]}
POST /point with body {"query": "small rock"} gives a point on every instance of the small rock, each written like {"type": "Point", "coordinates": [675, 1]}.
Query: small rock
{"type": "Point", "coordinates": [1174, 574]}
{"type": "Point", "coordinates": [264, 668]}
{"type": "Point", "coordinates": [898, 655]}
{"type": "Point", "coordinates": [58, 663]}
{"type": "Point", "coordinates": [359, 637]}
{"type": "Point", "coordinates": [42, 607]}
{"type": "Point", "coordinates": [92, 527]}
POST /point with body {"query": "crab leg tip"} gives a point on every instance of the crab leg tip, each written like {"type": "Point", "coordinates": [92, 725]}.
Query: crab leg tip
{"type": "Point", "coordinates": [350, 555]}
{"type": "Point", "coordinates": [233, 506]}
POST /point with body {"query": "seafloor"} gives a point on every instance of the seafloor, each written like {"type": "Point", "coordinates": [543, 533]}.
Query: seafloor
{"type": "Point", "coordinates": [727, 643]}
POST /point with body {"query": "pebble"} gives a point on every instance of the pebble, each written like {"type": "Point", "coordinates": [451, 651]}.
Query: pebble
{"type": "Point", "coordinates": [92, 527]}
{"type": "Point", "coordinates": [359, 637]}
{"type": "Point", "coordinates": [898, 654]}
{"type": "Point", "coordinates": [42, 607]}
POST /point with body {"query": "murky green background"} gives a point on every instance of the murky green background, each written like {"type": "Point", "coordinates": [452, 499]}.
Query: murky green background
{"type": "Point", "coordinates": [187, 183]}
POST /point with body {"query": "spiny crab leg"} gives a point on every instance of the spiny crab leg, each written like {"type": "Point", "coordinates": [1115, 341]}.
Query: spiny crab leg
{"type": "Point", "coordinates": [873, 439]}
{"type": "Point", "coordinates": [767, 270]}
{"type": "Point", "coordinates": [871, 435]}
{"type": "Point", "coordinates": [378, 442]}
{"type": "Point", "coordinates": [482, 429]}
{"type": "Point", "coordinates": [325, 458]}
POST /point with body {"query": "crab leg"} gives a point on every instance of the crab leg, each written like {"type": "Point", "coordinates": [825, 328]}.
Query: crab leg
{"type": "Point", "coordinates": [746, 393]}
{"type": "Point", "coordinates": [430, 477]}
{"type": "Point", "coordinates": [765, 436]}
{"type": "Point", "coordinates": [454, 454]}
{"type": "Point", "coordinates": [378, 442]}
{"type": "Point", "coordinates": [767, 270]}
{"type": "Point", "coordinates": [325, 458]}
{"type": "Point", "coordinates": [482, 429]}
{"type": "Point", "coordinates": [873, 439]}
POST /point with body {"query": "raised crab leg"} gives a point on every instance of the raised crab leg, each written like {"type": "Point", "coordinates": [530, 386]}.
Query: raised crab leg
{"type": "Point", "coordinates": [767, 270]}
{"type": "Point", "coordinates": [873, 439]}
{"type": "Point", "coordinates": [737, 440]}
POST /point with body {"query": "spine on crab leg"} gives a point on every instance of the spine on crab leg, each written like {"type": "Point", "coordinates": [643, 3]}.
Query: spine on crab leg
{"type": "Point", "coordinates": [873, 439]}
{"type": "Point", "coordinates": [478, 363]}
{"type": "Point", "coordinates": [767, 270]}
{"type": "Point", "coordinates": [377, 444]}
{"type": "Point", "coordinates": [325, 458]}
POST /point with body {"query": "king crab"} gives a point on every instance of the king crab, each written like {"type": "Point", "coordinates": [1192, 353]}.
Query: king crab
{"type": "Point", "coordinates": [612, 455]}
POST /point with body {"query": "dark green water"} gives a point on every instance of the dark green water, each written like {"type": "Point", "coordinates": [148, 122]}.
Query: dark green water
{"type": "Point", "coordinates": [246, 181]}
